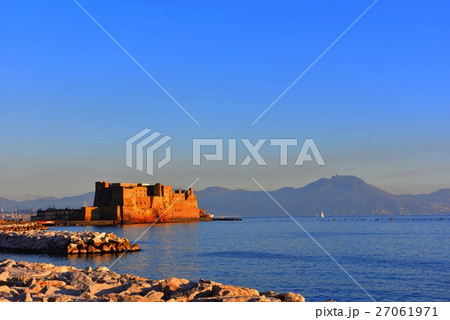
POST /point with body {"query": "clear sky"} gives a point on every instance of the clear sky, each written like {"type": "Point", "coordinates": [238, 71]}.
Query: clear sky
{"type": "Point", "coordinates": [377, 104]}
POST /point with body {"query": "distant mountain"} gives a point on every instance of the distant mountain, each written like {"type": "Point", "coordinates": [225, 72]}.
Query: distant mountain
{"type": "Point", "coordinates": [339, 195]}
{"type": "Point", "coordinates": [7, 204]}
{"type": "Point", "coordinates": [42, 203]}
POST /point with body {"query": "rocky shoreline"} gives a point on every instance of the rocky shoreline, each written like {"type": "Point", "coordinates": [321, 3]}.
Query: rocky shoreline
{"type": "Point", "coordinates": [26, 281]}
{"type": "Point", "coordinates": [63, 242]}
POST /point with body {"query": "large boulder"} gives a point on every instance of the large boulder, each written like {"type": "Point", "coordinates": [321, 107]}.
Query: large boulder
{"type": "Point", "coordinates": [221, 290]}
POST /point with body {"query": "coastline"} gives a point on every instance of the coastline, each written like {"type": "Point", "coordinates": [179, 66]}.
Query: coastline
{"type": "Point", "coordinates": [43, 282]}
{"type": "Point", "coordinates": [31, 240]}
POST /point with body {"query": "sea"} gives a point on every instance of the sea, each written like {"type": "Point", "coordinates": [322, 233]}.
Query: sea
{"type": "Point", "coordinates": [398, 258]}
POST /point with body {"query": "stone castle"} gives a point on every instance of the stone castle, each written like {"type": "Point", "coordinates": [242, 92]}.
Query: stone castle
{"type": "Point", "coordinates": [126, 203]}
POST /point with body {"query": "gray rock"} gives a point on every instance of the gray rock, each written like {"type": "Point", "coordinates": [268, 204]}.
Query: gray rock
{"type": "Point", "coordinates": [80, 281]}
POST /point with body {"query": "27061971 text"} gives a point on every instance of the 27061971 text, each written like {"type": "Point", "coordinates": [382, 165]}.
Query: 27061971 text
{"type": "Point", "coordinates": [386, 311]}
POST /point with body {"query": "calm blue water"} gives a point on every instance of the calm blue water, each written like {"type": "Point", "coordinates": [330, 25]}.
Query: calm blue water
{"type": "Point", "coordinates": [406, 259]}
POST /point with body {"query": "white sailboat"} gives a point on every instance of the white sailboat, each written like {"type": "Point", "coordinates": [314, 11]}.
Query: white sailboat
{"type": "Point", "coordinates": [322, 215]}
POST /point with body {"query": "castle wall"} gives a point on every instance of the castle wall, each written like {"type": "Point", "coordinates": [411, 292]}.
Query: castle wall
{"type": "Point", "coordinates": [139, 203]}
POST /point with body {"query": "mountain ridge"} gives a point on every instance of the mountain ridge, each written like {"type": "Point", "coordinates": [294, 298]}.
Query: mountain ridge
{"type": "Point", "coordinates": [338, 195]}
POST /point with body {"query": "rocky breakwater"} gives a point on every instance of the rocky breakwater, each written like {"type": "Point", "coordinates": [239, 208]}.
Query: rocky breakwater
{"type": "Point", "coordinates": [64, 242]}
{"type": "Point", "coordinates": [24, 281]}
{"type": "Point", "coordinates": [22, 227]}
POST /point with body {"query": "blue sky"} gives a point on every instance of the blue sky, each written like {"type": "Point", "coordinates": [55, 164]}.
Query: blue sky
{"type": "Point", "coordinates": [377, 104]}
